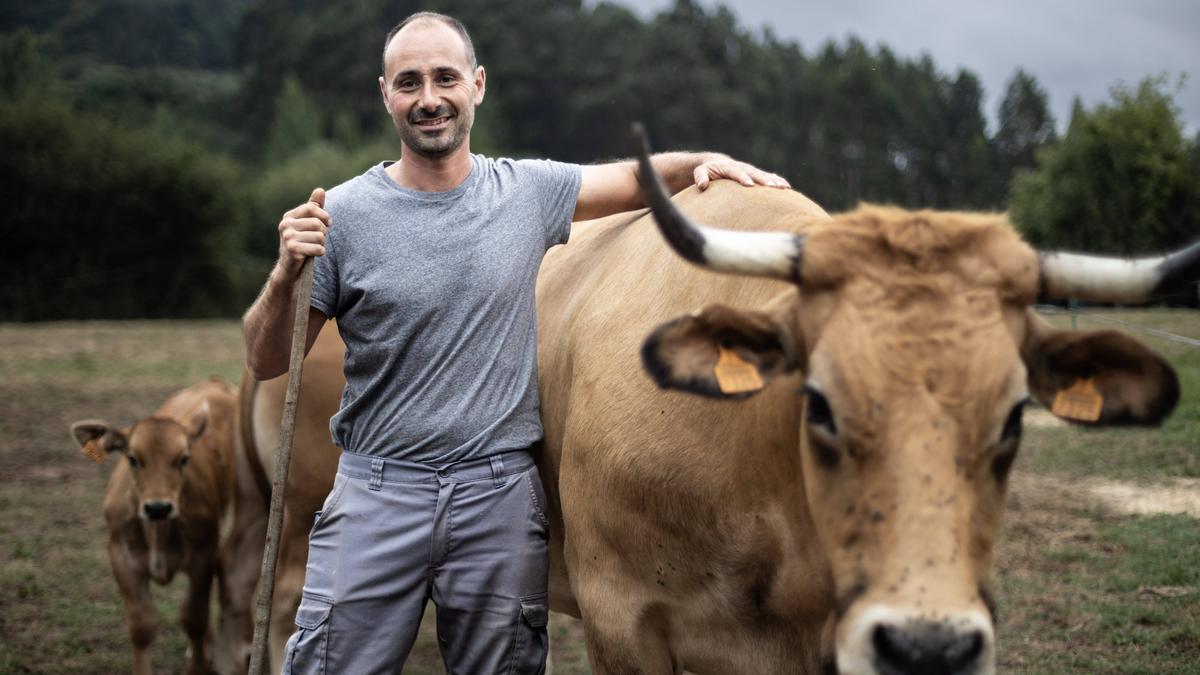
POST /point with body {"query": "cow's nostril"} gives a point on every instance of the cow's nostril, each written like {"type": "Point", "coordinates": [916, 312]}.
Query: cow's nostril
{"type": "Point", "coordinates": [963, 651]}
{"type": "Point", "coordinates": [157, 510]}
{"type": "Point", "coordinates": [926, 648]}
{"type": "Point", "coordinates": [894, 648]}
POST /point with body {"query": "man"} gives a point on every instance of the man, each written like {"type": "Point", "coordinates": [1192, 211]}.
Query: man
{"type": "Point", "coordinates": [429, 265]}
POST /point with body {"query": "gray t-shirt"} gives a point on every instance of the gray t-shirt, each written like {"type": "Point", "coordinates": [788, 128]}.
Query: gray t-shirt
{"type": "Point", "coordinates": [433, 293]}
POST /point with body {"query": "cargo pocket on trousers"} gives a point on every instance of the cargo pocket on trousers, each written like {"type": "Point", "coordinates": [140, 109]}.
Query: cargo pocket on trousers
{"type": "Point", "coordinates": [306, 649]}
{"type": "Point", "coordinates": [531, 640]}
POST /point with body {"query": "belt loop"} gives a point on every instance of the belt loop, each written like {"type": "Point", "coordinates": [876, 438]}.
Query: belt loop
{"type": "Point", "coordinates": [376, 481]}
{"type": "Point", "coordinates": [497, 470]}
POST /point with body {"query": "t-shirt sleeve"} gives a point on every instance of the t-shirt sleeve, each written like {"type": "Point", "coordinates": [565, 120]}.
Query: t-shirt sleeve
{"type": "Point", "coordinates": [325, 280]}
{"type": "Point", "coordinates": [555, 186]}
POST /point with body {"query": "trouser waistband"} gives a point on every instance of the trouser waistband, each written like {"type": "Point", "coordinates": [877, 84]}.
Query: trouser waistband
{"type": "Point", "coordinates": [379, 470]}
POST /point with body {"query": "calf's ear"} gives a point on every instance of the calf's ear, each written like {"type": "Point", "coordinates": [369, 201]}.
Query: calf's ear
{"type": "Point", "coordinates": [723, 352]}
{"type": "Point", "coordinates": [97, 438]}
{"type": "Point", "coordinates": [196, 422]}
{"type": "Point", "coordinates": [1099, 378]}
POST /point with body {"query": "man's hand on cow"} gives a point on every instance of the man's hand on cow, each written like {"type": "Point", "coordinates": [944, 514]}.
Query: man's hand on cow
{"type": "Point", "coordinates": [726, 167]}
{"type": "Point", "coordinates": [302, 232]}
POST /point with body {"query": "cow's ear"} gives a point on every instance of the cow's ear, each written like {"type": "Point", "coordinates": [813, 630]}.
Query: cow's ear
{"type": "Point", "coordinates": [97, 438]}
{"type": "Point", "coordinates": [723, 352]}
{"type": "Point", "coordinates": [1098, 377]}
{"type": "Point", "coordinates": [196, 422]}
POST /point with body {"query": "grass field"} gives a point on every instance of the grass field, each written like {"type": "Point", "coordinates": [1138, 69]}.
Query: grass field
{"type": "Point", "coordinates": [1082, 586]}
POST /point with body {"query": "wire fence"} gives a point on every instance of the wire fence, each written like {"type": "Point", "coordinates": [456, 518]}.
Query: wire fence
{"type": "Point", "coordinates": [1146, 330]}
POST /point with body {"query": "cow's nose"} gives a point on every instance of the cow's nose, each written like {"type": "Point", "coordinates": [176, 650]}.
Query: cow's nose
{"type": "Point", "coordinates": [926, 648]}
{"type": "Point", "coordinates": [158, 510]}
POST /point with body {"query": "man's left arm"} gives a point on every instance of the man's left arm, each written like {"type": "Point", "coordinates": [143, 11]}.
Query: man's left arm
{"type": "Point", "coordinates": [611, 188]}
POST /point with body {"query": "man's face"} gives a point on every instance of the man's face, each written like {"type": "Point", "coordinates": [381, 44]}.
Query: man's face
{"type": "Point", "coordinates": [430, 89]}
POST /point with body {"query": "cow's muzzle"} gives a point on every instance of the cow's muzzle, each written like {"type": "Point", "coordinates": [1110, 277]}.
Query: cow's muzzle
{"type": "Point", "coordinates": [884, 641]}
{"type": "Point", "coordinates": [158, 510]}
{"type": "Point", "coordinates": [925, 647]}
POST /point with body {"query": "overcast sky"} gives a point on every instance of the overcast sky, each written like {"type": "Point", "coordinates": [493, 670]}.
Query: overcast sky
{"type": "Point", "coordinates": [1072, 47]}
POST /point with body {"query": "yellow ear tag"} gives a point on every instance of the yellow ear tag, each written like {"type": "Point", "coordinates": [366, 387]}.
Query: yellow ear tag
{"type": "Point", "coordinates": [93, 451]}
{"type": "Point", "coordinates": [735, 375]}
{"type": "Point", "coordinates": [1080, 402]}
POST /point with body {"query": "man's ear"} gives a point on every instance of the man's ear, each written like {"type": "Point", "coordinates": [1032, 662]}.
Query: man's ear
{"type": "Point", "coordinates": [383, 94]}
{"type": "Point", "coordinates": [1106, 377]}
{"type": "Point", "coordinates": [97, 438]}
{"type": "Point", "coordinates": [196, 422]}
{"type": "Point", "coordinates": [480, 84]}
{"type": "Point", "coordinates": [723, 352]}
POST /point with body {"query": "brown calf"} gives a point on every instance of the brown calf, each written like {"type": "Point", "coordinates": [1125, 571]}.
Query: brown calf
{"type": "Point", "coordinates": [182, 500]}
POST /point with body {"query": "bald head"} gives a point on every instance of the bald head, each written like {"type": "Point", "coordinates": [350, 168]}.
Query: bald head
{"type": "Point", "coordinates": [426, 19]}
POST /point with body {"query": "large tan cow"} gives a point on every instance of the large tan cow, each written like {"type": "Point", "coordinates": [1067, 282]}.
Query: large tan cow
{"type": "Point", "coordinates": [183, 500]}
{"type": "Point", "coordinates": [310, 474]}
{"type": "Point", "coordinates": [831, 502]}
{"type": "Point", "coordinates": [726, 536]}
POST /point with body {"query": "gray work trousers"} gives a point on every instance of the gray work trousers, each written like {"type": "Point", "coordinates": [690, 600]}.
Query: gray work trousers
{"type": "Point", "coordinates": [470, 536]}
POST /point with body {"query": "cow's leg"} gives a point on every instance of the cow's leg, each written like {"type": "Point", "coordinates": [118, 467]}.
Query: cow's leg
{"type": "Point", "coordinates": [289, 583]}
{"type": "Point", "coordinates": [625, 636]}
{"type": "Point", "coordinates": [141, 616]}
{"type": "Point", "coordinates": [193, 614]}
{"type": "Point", "coordinates": [619, 644]}
{"type": "Point", "coordinates": [241, 562]}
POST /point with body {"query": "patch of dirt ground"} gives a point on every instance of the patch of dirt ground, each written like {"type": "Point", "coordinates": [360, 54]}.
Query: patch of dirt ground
{"type": "Point", "coordinates": [1040, 418]}
{"type": "Point", "coordinates": [1178, 495]}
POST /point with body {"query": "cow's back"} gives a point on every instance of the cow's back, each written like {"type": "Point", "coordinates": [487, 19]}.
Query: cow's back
{"type": "Point", "coordinates": [692, 502]}
{"type": "Point", "coordinates": [315, 458]}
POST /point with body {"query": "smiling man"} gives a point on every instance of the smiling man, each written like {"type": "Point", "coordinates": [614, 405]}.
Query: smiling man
{"type": "Point", "coordinates": [429, 265]}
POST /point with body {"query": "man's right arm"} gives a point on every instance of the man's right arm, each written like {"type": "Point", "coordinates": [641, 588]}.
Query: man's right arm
{"type": "Point", "coordinates": [267, 325]}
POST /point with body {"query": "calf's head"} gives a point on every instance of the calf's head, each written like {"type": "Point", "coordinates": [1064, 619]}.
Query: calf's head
{"type": "Point", "coordinates": [157, 449]}
{"type": "Point", "coordinates": [919, 351]}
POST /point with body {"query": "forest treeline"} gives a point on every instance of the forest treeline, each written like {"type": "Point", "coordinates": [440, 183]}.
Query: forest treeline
{"type": "Point", "coordinates": [147, 147]}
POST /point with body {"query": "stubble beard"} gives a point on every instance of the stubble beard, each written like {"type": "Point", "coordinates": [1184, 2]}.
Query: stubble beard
{"type": "Point", "coordinates": [434, 147]}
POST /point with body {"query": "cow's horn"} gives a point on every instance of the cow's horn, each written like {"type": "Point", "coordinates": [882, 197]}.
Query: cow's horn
{"type": "Point", "coordinates": [1117, 280]}
{"type": "Point", "coordinates": [767, 254]}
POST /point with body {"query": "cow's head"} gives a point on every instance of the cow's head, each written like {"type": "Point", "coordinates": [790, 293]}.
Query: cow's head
{"type": "Point", "coordinates": [157, 449]}
{"type": "Point", "coordinates": [919, 349]}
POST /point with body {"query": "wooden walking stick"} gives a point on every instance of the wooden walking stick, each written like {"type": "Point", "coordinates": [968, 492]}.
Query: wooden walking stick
{"type": "Point", "coordinates": [275, 519]}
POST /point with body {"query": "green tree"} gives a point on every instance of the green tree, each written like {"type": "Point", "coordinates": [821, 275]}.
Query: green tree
{"type": "Point", "coordinates": [333, 48]}
{"type": "Point", "coordinates": [1122, 180]}
{"type": "Point", "coordinates": [967, 147]}
{"type": "Point", "coordinates": [857, 120]}
{"type": "Point", "coordinates": [283, 185]}
{"type": "Point", "coordinates": [25, 69]}
{"type": "Point", "coordinates": [132, 33]}
{"type": "Point", "coordinates": [1026, 123]}
{"type": "Point", "coordinates": [35, 16]}
{"type": "Point", "coordinates": [297, 123]}
{"type": "Point", "coordinates": [105, 222]}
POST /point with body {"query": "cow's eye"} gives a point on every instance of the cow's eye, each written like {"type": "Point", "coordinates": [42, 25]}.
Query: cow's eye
{"type": "Point", "coordinates": [1010, 439]}
{"type": "Point", "coordinates": [1012, 425]}
{"type": "Point", "coordinates": [134, 461]}
{"type": "Point", "coordinates": [820, 417]}
{"type": "Point", "coordinates": [183, 461]}
{"type": "Point", "coordinates": [819, 414]}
